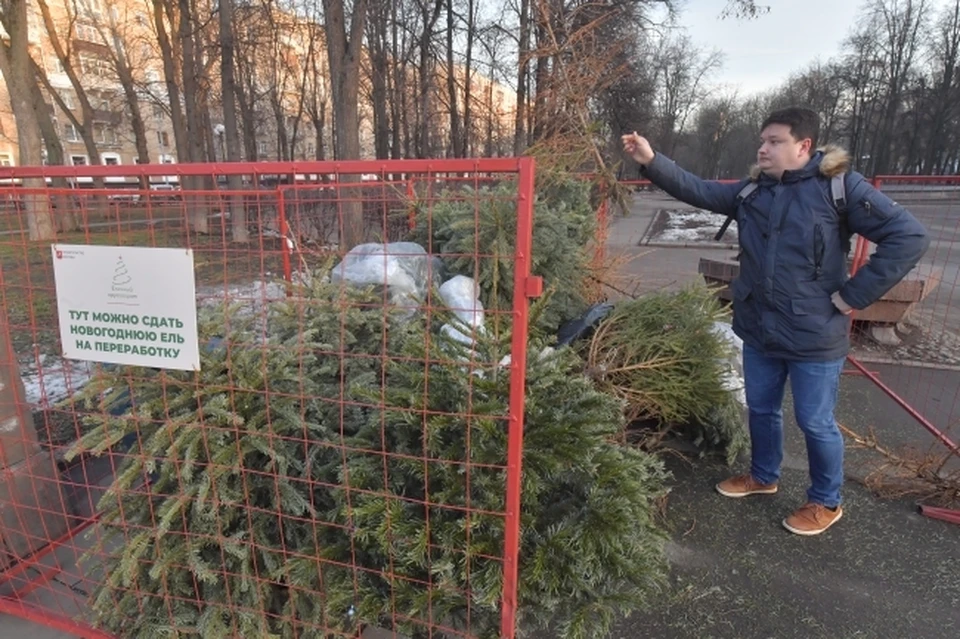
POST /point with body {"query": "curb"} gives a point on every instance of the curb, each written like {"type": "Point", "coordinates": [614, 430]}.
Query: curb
{"type": "Point", "coordinates": [686, 245]}
{"type": "Point", "coordinates": [866, 358]}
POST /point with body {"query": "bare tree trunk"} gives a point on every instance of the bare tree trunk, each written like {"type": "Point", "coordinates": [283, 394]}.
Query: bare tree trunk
{"type": "Point", "coordinates": [468, 80]}
{"type": "Point", "coordinates": [317, 107]}
{"type": "Point", "coordinates": [519, 137]}
{"type": "Point", "coordinates": [344, 56]}
{"type": "Point", "coordinates": [456, 142]}
{"type": "Point", "coordinates": [162, 11]}
{"type": "Point", "coordinates": [197, 211]}
{"type": "Point", "coordinates": [426, 78]}
{"type": "Point", "coordinates": [488, 146]}
{"type": "Point", "coordinates": [84, 128]}
{"type": "Point", "coordinates": [398, 87]}
{"type": "Point", "coordinates": [15, 64]}
{"type": "Point", "coordinates": [238, 214]}
{"type": "Point", "coordinates": [67, 219]}
{"type": "Point", "coordinates": [121, 63]}
{"type": "Point", "coordinates": [542, 83]}
{"type": "Point", "coordinates": [248, 121]}
{"type": "Point", "coordinates": [379, 73]}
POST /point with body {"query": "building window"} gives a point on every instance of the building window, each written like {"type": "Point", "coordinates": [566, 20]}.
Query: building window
{"type": "Point", "coordinates": [104, 105]}
{"type": "Point", "coordinates": [68, 100]}
{"type": "Point", "coordinates": [158, 111]}
{"type": "Point", "coordinates": [56, 66]}
{"type": "Point", "coordinates": [111, 160]}
{"type": "Point", "coordinates": [87, 32]}
{"type": "Point", "coordinates": [78, 160]}
{"type": "Point", "coordinates": [70, 132]}
{"type": "Point", "coordinates": [93, 7]}
{"type": "Point", "coordinates": [92, 65]}
{"type": "Point", "coordinates": [107, 135]}
{"type": "Point", "coordinates": [262, 148]}
{"type": "Point", "coordinates": [6, 159]}
{"type": "Point", "coordinates": [163, 139]}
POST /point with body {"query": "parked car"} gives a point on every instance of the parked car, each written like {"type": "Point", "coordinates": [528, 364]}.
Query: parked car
{"type": "Point", "coordinates": [164, 192]}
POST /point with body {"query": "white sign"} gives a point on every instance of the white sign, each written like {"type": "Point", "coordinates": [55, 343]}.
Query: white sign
{"type": "Point", "coordinates": [127, 305]}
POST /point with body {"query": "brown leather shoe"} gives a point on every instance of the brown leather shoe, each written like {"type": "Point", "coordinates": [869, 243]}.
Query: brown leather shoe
{"type": "Point", "coordinates": [812, 519]}
{"type": "Point", "coordinates": [743, 486]}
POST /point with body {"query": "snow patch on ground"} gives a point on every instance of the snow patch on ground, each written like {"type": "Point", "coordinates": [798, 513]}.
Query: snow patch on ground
{"type": "Point", "coordinates": [690, 225]}
{"type": "Point", "coordinates": [256, 293]}
{"type": "Point", "coordinates": [50, 379]}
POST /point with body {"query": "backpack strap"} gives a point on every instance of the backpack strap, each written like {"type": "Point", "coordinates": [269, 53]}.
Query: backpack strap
{"type": "Point", "coordinates": [838, 191]}
{"type": "Point", "coordinates": [744, 193]}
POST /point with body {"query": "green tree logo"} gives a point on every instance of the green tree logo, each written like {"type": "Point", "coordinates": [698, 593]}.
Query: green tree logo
{"type": "Point", "coordinates": [121, 287]}
{"type": "Point", "coordinates": [121, 277]}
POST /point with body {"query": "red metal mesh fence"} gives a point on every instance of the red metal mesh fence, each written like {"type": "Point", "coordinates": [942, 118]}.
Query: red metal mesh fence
{"type": "Point", "coordinates": [348, 454]}
{"type": "Point", "coordinates": [910, 339]}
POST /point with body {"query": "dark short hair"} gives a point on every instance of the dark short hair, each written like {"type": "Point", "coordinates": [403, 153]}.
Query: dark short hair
{"type": "Point", "coordinates": [803, 123]}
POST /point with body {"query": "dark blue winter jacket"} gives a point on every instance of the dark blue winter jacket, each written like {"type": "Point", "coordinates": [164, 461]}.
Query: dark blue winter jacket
{"type": "Point", "coordinates": [793, 254]}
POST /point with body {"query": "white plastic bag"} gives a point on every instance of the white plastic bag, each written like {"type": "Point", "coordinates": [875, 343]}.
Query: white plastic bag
{"type": "Point", "coordinates": [400, 266]}
{"type": "Point", "coordinates": [461, 295]}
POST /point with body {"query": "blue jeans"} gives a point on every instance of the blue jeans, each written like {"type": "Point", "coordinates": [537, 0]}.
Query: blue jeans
{"type": "Point", "coordinates": [814, 386]}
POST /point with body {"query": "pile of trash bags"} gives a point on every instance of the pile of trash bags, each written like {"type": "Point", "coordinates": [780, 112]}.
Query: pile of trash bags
{"type": "Point", "coordinates": [407, 272]}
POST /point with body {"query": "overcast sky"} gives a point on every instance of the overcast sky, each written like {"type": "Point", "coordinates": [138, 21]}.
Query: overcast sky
{"type": "Point", "coordinates": [760, 54]}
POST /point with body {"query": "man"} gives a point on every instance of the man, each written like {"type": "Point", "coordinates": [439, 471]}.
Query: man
{"type": "Point", "coordinates": [792, 299]}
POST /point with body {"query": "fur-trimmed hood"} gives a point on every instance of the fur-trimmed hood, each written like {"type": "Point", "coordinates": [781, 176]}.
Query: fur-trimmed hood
{"type": "Point", "coordinates": [831, 159]}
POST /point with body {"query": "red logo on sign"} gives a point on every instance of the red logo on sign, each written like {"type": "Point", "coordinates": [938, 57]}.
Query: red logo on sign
{"type": "Point", "coordinates": [59, 255]}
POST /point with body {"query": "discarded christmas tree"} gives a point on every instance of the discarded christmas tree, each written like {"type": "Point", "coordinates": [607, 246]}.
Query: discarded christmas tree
{"type": "Point", "coordinates": [662, 354]}
{"type": "Point", "coordinates": [590, 548]}
{"type": "Point", "coordinates": [333, 466]}
{"type": "Point", "coordinates": [212, 500]}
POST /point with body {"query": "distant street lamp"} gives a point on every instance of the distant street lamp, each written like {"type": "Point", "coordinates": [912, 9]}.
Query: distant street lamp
{"type": "Point", "coordinates": [219, 130]}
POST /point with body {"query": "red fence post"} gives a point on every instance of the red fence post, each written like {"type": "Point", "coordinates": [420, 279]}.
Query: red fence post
{"type": "Point", "coordinates": [525, 287]}
{"type": "Point", "coordinates": [284, 236]}
{"type": "Point", "coordinates": [412, 209]}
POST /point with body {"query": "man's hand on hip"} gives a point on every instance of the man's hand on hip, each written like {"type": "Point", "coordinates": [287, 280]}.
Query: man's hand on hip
{"type": "Point", "coordinates": [638, 148]}
{"type": "Point", "coordinates": [840, 304]}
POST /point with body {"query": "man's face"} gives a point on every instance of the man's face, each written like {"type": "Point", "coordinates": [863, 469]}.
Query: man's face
{"type": "Point", "coordinates": [779, 151]}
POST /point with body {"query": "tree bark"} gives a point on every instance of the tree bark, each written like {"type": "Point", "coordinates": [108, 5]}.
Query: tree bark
{"type": "Point", "coordinates": [238, 214]}
{"type": "Point", "coordinates": [344, 55]}
{"type": "Point", "coordinates": [519, 136]}
{"type": "Point", "coordinates": [379, 72]}
{"type": "Point", "coordinates": [456, 143]}
{"type": "Point", "coordinates": [198, 215]}
{"type": "Point", "coordinates": [424, 149]}
{"type": "Point", "coordinates": [15, 64]}
{"type": "Point", "coordinates": [161, 12]}
{"type": "Point", "coordinates": [468, 79]}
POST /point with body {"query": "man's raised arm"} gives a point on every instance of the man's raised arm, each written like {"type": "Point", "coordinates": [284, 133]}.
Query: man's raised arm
{"type": "Point", "coordinates": [681, 184]}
